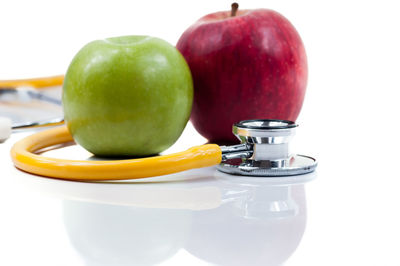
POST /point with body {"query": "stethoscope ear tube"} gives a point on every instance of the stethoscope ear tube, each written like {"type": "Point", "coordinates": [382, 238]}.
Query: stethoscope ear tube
{"type": "Point", "coordinates": [5, 128]}
{"type": "Point", "coordinates": [37, 83]}
{"type": "Point", "coordinates": [6, 125]}
{"type": "Point", "coordinates": [24, 158]}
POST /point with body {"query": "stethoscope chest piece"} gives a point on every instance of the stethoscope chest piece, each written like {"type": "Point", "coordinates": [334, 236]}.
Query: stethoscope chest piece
{"type": "Point", "coordinates": [264, 150]}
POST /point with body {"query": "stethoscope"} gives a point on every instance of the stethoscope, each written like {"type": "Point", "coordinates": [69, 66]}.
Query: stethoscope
{"type": "Point", "coordinates": [264, 151]}
{"type": "Point", "coordinates": [6, 86]}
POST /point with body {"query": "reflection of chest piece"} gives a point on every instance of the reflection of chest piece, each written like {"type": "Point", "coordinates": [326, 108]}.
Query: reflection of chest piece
{"type": "Point", "coordinates": [264, 150]}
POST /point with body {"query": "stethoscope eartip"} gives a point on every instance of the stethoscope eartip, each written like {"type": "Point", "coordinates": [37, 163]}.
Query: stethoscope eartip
{"type": "Point", "coordinates": [5, 128]}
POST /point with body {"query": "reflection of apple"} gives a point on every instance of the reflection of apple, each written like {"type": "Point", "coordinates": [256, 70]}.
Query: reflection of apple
{"type": "Point", "coordinates": [251, 65]}
{"type": "Point", "coordinates": [127, 96]}
{"type": "Point", "coordinates": [262, 226]}
{"type": "Point", "coordinates": [105, 234]}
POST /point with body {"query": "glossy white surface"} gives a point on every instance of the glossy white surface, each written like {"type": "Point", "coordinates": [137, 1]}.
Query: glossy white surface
{"type": "Point", "coordinates": [347, 215]}
{"type": "Point", "coordinates": [193, 218]}
{"type": "Point", "coordinates": [200, 217]}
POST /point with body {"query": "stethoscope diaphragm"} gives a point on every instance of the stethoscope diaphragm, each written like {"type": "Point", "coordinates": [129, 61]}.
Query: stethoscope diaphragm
{"type": "Point", "coordinates": [294, 165]}
{"type": "Point", "coordinates": [268, 144]}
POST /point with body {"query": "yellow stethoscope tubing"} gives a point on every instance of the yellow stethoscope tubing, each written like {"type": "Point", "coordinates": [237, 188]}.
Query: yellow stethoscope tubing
{"type": "Point", "coordinates": [37, 83]}
{"type": "Point", "coordinates": [24, 158]}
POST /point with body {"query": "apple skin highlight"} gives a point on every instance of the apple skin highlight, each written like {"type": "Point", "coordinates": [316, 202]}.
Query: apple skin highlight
{"type": "Point", "coordinates": [249, 66]}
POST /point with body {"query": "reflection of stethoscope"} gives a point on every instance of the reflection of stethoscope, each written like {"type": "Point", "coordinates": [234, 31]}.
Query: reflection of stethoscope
{"type": "Point", "coordinates": [264, 152]}
{"type": "Point", "coordinates": [251, 214]}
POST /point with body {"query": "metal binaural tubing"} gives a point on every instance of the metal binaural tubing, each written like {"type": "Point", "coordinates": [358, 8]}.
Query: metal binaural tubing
{"type": "Point", "coordinates": [237, 155]}
{"type": "Point", "coordinates": [44, 98]}
{"type": "Point", "coordinates": [236, 151]}
{"type": "Point", "coordinates": [234, 148]}
{"type": "Point", "coordinates": [46, 123]}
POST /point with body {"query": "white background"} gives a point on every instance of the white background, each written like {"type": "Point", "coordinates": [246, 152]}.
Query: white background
{"type": "Point", "coordinates": [352, 47]}
{"type": "Point", "coordinates": [349, 119]}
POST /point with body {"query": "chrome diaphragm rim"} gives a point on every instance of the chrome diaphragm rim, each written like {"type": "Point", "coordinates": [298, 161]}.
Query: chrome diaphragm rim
{"type": "Point", "coordinates": [295, 165]}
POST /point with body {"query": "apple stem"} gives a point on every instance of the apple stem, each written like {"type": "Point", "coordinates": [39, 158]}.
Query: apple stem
{"type": "Point", "coordinates": [235, 7]}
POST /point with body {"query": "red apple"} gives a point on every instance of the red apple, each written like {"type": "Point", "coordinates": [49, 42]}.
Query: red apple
{"type": "Point", "coordinates": [249, 64]}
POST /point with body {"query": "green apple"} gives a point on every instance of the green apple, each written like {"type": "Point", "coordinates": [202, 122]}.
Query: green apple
{"type": "Point", "coordinates": [127, 96]}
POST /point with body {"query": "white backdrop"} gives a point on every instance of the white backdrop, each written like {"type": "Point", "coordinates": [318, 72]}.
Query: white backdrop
{"type": "Point", "coordinates": [352, 46]}
{"type": "Point", "coordinates": [349, 119]}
